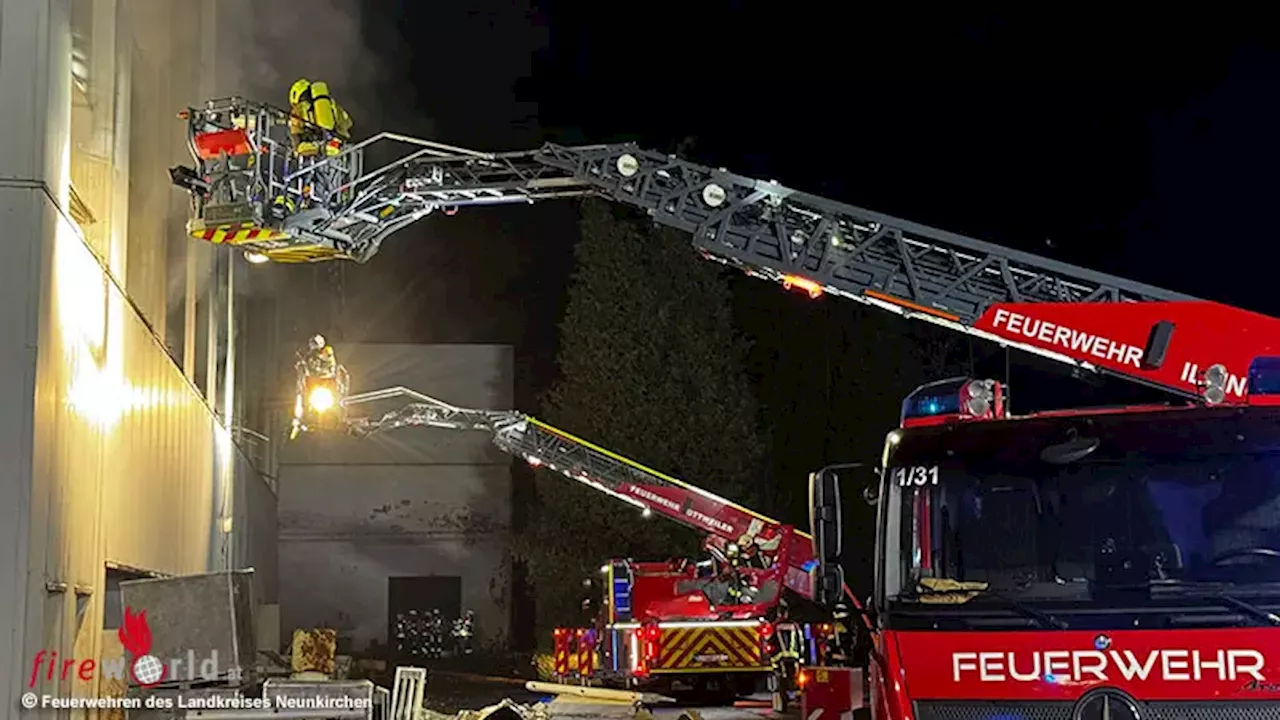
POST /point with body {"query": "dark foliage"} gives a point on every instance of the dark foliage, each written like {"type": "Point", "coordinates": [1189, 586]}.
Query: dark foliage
{"type": "Point", "coordinates": [650, 368]}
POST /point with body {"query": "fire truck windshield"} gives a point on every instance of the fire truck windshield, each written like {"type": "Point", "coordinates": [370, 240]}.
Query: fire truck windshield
{"type": "Point", "coordinates": [1074, 508]}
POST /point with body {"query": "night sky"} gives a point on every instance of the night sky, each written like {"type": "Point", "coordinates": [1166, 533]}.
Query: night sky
{"type": "Point", "coordinates": [1144, 147]}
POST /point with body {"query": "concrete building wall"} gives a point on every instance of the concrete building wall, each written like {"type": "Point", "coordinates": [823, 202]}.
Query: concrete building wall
{"type": "Point", "coordinates": [119, 446]}
{"type": "Point", "coordinates": [416, 502]}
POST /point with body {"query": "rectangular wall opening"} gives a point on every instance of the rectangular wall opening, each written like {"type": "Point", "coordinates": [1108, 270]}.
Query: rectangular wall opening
{"type": "Point", "coordinates": [412, 599]}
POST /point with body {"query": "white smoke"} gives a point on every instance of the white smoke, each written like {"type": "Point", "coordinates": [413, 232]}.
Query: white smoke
{"type": "Point", "coordinates": [263, 47]}
{"type": "Point", "coordinates": [271, 43]}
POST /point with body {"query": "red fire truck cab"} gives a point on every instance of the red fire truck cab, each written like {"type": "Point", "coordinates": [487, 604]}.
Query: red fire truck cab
{"type": "Point", "coordinates": [1079, 565]}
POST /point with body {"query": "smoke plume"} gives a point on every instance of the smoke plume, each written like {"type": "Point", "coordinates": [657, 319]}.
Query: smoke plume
{"type": "Point", "coordinates": [279, 41]}
{"type": "Point", "coordinates": [264, 46]}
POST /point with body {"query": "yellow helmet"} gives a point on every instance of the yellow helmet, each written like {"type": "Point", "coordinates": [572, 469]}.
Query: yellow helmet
{"type": "Point", "coordinates": [298, 90]}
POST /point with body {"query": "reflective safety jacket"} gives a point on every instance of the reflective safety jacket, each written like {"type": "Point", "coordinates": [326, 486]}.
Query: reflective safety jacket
{"type": "Point", "coordinates": [790, 642]}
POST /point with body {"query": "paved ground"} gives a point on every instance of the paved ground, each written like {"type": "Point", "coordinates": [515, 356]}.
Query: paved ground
{"type": "Point", "coordinates": [584, 709]}
{"type": "Point", "coordinates": [449, 694]}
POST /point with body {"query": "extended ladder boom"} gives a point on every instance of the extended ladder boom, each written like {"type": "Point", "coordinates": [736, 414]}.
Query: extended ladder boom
{"type": "Point", "coordinates": [249, 190]}
{"type": "Point", "coordinates": [650, 491]}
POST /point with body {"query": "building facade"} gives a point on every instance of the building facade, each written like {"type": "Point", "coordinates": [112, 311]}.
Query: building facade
{"type": "Point", "coordinates": [131, 444]}
{"type": "Point", "coordinates": [416, 519]}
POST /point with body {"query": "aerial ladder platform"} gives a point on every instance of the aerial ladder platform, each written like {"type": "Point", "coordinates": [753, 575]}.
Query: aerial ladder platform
{"type": "Point", "coordinates": [249, 190]}
{"type": "Point", "coordinates": [650, 491]}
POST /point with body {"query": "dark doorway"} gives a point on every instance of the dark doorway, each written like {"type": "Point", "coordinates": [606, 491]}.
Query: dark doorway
{"type": "Point", "coordinates": [113, 606]}
{"type": "Point", "coordinates": [417, 597]}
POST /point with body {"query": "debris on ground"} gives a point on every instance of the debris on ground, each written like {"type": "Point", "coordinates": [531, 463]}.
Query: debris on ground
{"type": "Point", "coordinates": [505, 710]}
{"type": "Point", "coordinates": [544, 665]}
{"type": "Point", "coordinates": [598, 694]}
{"type": "Point", "coordinates": [314, 650]}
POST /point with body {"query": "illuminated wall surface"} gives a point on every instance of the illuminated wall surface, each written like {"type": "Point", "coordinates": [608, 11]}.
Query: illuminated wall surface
{"type": "Point", "coordinates": [121, 415]}
{"type": "Point", "coordinates": [429, 506]}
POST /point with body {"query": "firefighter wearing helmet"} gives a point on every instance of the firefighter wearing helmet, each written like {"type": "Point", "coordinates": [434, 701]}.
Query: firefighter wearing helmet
{"type": "Point", "coordinates": [320, 361]}
{"type": "Point", "coordinates": [315, 120]}
{"type": "Point", "coordinates": [790, 643]}
{"type": "Point", "coordinates": [733, 554]}
{"type": "Point", "coordinates": [839, 645]}
{"type": "Point", "coordinates": [786, 657]}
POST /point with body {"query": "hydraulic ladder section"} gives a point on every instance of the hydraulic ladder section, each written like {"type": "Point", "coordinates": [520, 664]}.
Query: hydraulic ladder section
{"type": "Point", "coordinates": [250, 190]}
{"type": "Point", "coordinates": [542, 445]}
{"type": "Point", "coordinates": [764, 228]}
{"type": "Point", "coordinates": [824, 246]}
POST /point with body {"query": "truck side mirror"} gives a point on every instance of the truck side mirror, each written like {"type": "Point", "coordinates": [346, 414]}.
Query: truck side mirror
{"type": "Point", "coordinates": [825, 524]}
{"type": "Point", "coordinates": [825, 515]}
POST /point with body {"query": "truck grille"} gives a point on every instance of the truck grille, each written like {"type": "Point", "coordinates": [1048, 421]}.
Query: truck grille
{"type": "Point", "coordinates": [981, 710]}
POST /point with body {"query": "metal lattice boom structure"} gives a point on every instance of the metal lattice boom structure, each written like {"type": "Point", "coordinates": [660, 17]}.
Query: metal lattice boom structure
{"type": "Point", "coordinates": [250, 190]}
{"type": "Point", "coordinates": [788, 236]}
{"type": "Point", "coordinates": [542, 445]}
{"type": "Point", "coordinates": [762, 227]}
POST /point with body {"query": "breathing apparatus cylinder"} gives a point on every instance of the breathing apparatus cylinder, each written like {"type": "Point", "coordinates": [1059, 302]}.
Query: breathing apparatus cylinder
{"type": "Point", "coordinates": [322, 106]}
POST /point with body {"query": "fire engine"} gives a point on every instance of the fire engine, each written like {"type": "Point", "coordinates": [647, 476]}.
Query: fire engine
{"type": "Point", "coordinates": [1065, 565]}
{"type": "Point", "coordinates": [1080, 563]}
{"type": "Point", "coordinates": [682, 625]}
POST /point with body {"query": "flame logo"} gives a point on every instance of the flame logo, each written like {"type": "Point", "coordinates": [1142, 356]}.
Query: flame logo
{"type": "Point", "coordinates": [135, 636]}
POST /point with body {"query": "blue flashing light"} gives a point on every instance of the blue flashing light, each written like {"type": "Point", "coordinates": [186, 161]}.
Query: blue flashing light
{"type": "Point", "coordinates": [809, 565]}
{"type": "Point", "coordinates": [1264, 376]}
{"type": "Point", "coordinates": [940, 398]}
{"type": "Point", "coordinates": [1052, 679]}
{"type": "Point", "coordinates": [927, 405]}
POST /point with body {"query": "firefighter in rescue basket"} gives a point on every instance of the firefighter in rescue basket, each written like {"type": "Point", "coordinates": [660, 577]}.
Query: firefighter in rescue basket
{"type": "Point", "coordinates": [316, 120]}
{"type": "Point", "coordinates": [322, 388]}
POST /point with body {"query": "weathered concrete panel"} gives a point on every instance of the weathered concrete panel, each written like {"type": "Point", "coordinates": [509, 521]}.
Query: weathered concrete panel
{"type": "Point", "coordinates": [344, 583]}
{"type": "Point", "coordinates": [477, 376]}
{"type": "Point", "coordinates": [403, 446]}
{"type": "Point", "coordinates": [397, 500]}
{"type": "Point", "coordinates": [416, 502]}
{"type": "Point", "coordinates": [467, 375]}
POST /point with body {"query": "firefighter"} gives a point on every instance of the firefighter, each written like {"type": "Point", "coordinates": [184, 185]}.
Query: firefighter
{"type": "Point", "coordinates": [789, 639]}
{"type": "Point", "coordinates": [733, 554]}
{"type": "Point", "coordinates": [731, 575]}
{"type": "Point", "coordinates": [839, 645]}
{"type": "Point", "coordinates": [463, 632]}
{"type": "Point", "coordinates": [787, 657]}
{"type": "Point", "coordinates": [316, 120]}
{"type": "Point", "coordinates": [319, 360]}
{"type": "Point", "coordinates": [434, 635]}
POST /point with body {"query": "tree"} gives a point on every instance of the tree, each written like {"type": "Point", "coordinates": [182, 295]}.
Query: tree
{"type": "Point", "coordinates": [833, 375]}
{"type": "Point", "coordinates": [651, 368]}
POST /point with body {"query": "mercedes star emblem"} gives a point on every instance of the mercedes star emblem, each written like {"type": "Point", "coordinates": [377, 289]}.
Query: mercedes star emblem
{"type": "Point", "coordinates": [1106, 704]}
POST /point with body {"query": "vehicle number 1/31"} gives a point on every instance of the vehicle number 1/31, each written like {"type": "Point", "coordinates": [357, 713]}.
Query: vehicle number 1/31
{"type": "Point", "coordinates": [916, 475]}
